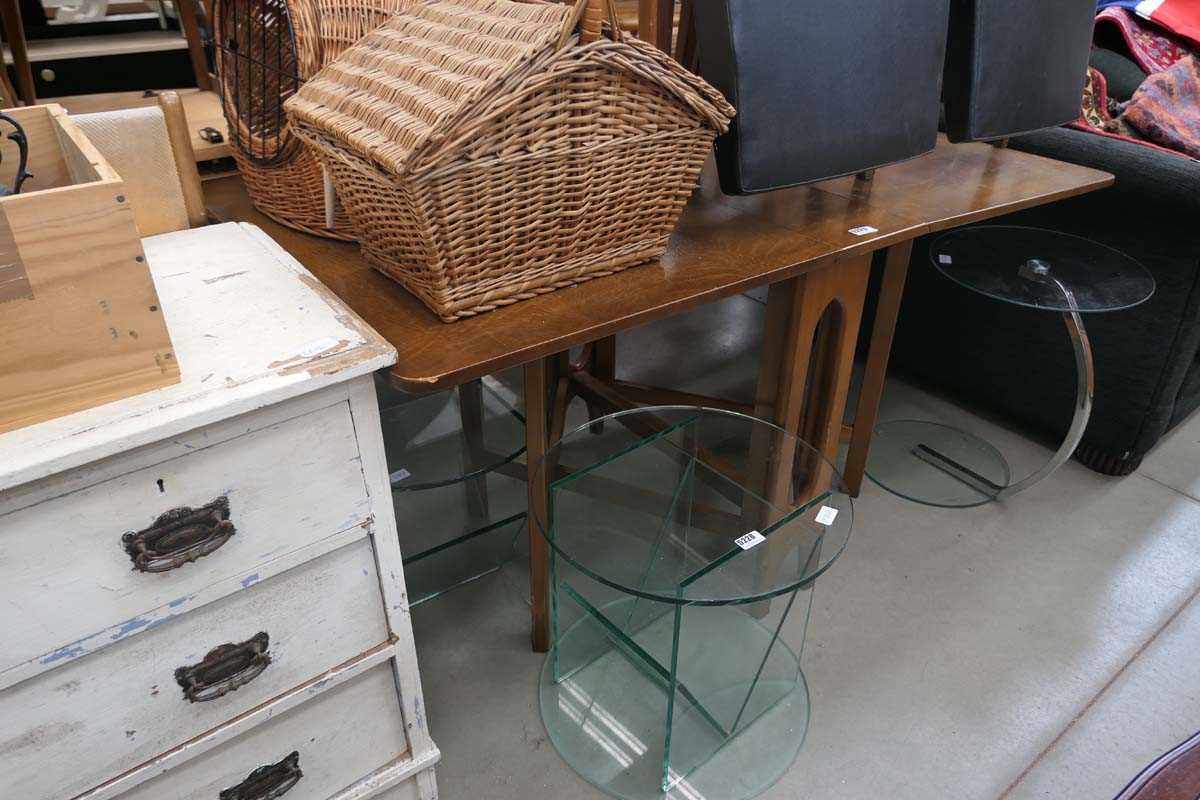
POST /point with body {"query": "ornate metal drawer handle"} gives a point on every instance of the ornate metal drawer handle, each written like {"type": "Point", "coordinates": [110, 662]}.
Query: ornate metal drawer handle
{"type": "Point", "coordinates": [179, 536]}
{"type": "Point", "coordinates": [267, 782]}
{"type": "Point", "coordinates": [224, 669]}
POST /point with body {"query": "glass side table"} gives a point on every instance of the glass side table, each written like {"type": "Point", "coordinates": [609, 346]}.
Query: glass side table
{"type": "Point", "coordinates": [685, 543]}
{"type": "Point", "coordinates": [942, 466]}
{"type": "Point", "coordinates": [457, 483]}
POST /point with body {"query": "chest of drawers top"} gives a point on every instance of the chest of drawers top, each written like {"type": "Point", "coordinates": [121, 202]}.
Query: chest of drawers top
{"type": "Point", "coordinates": [251, 328]}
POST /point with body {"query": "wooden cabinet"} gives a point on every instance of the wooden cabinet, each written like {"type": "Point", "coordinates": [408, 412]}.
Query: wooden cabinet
{"type": "Point", "coordinates": [201, 586]}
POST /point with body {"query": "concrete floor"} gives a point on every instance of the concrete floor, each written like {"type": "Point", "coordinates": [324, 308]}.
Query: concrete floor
{"type": "Point", "coordinates": [1045, 647]}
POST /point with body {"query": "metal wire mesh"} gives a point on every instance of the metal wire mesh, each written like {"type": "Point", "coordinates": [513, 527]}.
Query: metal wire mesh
{"type": "Point", "coordinates": [258, 70]}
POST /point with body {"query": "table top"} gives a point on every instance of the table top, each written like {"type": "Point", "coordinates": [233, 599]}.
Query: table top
{"type": "Point", "coordinates": [722, 246]}
{"type": "Point", "coordinates": [694, 506]}
{"type": "Point", "coordinates": [1041, 269]}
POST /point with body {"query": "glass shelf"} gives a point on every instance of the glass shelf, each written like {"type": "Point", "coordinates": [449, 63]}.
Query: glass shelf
{"type": "Point", "coordinates": [457, 480]}
{"type": "Point", "coordinates": [446, 437]}
{"type": "Point", "coordinates": [446, 546]}
{"type": "Point", "coordinates": [996, 261]}
{"type": "Point", "coordinates": [685, 545]}
{"type": "Point", "coordinates": [627, 514]}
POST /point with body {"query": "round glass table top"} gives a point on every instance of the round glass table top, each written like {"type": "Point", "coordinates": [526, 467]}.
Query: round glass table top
{"type": "Point", "coordinates": [1032, 267]}
{"type": "Point", "coordinates": [693, 505]}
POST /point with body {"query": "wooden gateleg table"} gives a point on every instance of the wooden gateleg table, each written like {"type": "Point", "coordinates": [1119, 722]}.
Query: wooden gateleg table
{"type": "Point", "coordinates": [812, 246]}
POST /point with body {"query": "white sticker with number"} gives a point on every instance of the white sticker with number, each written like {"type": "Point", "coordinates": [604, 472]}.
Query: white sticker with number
{"type": "Point", "coordinates": [400, 475]}
{"type": "Point", "coordinates": [751, 539]}
{"type": "Point", "coordinates": [945, 259]}
{"type": "Point", "coordinates": [863, 230]}
{"type": "Point", "coordinates": [826, 515]}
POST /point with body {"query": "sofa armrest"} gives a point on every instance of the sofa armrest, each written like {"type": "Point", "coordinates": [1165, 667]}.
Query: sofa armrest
{"type": "Point", "coordinates": [1167, 181]}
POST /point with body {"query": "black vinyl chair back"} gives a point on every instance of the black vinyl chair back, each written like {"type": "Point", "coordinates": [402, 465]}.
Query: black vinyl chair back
{"type": "Point", "coordinates": [821, 89]}
{"type": "Point", "coordinates": [1014, 66]}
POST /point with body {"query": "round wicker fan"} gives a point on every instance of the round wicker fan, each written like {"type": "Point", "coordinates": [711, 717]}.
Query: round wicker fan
{"type": "Point", "coordinates": [265, 49]}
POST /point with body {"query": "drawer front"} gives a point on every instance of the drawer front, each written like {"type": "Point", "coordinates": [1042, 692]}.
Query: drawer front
{"type": "Point", "coordinates": [401, 791]}
{"type": "Point", "coordinates": [67, 575]}
{"type": "Point", "coordinates": [108, 712]}
{"type": "Point", "coordinates": [340, 736]}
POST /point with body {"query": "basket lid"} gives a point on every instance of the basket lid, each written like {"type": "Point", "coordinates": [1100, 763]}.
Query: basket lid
{"type": "Point", "coordinates": [392, 92]}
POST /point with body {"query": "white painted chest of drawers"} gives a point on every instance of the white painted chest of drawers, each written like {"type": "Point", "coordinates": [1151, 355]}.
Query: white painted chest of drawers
{"type": "Point", "coordinates": [201, 592]}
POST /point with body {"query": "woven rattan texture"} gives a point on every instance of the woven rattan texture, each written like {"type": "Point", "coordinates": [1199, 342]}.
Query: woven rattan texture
{"type": "Point", "coordinates": [283, 179]}
{"type": "Point", "coordinates": [485, 157]}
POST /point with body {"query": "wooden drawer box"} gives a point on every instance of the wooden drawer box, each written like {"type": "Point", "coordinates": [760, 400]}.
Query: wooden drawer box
{"type": "Point", "coordinates": [80, 318]}
{"type": "Point", "coordinates": [70, 584]}
{"type": "Point", "coordinates": [125, 704]}
{"type": "Point", "coordinates": [340, 736]}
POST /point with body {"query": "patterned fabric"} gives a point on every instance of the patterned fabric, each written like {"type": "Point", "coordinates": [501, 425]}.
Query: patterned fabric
{"type": "Point", "coordinates": [1180, 17]}
{"type": "Point", "coordinates": [1100, 115]}
{"type": "Point", "coordinates": [1099, 112]}
{"type": "Point", "coordinates": [1166, 108]}
{"type": "Point", "coordinates": [1152, 48]}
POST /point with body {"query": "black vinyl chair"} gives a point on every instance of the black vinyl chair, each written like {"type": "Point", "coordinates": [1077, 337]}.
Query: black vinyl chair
{"type": "Point", "coordinates": [1014, 66]}
{"type": "Point", "coordinates": [821, 89]}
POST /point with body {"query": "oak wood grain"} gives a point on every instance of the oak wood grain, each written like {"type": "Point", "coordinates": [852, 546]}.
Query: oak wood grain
{"type": "Point", "coordinates": [723, 246]}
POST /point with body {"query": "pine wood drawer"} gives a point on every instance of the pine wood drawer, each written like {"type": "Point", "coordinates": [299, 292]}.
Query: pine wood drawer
{"type": "Point", "coordinates": [75, 727]}
{"type": "Point", "coordinates": [70, 586]}
{"type": "Point", "coordinates": [339, 736]}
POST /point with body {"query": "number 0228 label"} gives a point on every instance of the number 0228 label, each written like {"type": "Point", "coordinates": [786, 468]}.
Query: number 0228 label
{"type": "Point", "coordinates": [751, 539]}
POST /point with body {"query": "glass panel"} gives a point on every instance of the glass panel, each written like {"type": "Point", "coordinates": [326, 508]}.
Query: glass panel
{"type": "Point", "coordinates": [458, 532]}
{"type": "Point", "coordinates": [440, 438]}
{"type": "Point", "coordinates": [457, 479]}
{"type": "Point", "coordinates": [732, 669]}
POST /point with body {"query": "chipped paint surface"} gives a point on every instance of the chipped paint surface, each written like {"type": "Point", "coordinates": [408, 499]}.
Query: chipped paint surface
{"type": "Point", "coordinates": [225, 277]}
{"type": "Point", "coordinates": [70, 651]}
{"type": "Point", "coordinates": [273, 305]}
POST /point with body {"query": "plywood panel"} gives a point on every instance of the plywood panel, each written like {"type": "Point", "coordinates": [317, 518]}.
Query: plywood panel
{"type": "Point", "coordinates": [88, 329]}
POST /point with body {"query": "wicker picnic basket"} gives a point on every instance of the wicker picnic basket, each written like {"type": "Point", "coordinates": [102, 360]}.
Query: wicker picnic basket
{"type": "Point", "coordinates": [488, 151]}
{"type": "Point", "coordinates": [265, 49]}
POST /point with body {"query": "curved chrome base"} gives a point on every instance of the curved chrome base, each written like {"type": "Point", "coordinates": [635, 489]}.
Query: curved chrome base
{"type": "Point", "coordinates": [1085, 392]}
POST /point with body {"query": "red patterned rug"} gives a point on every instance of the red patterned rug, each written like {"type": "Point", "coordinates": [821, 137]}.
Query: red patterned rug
{"type": "Point", "coordinates": [1097, 115]}
{"type": "Point", "coordinates": [1153, 48]}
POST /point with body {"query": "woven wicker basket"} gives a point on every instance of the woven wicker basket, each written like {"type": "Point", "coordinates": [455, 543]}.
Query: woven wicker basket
{"type": "Point", "coordinates": [265, 50]}
{"type": "Point", "coordinates": [488, 151]}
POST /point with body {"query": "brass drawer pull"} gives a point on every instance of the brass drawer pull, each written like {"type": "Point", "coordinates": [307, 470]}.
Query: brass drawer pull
{"type": "Point", "coordinates": [179, 536]}
{"type": "Point", "coordinates": [267, 783]}
{"type": "Point", "coordinates": [224, 669]}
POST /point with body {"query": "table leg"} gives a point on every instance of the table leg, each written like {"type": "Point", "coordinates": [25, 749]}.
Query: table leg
{"type": "Point", "coordinates": [804, 376]}
{"type": "Point", "coordinates": [895, 272]}
{"type": "Point", "coordinates": [543, 427]}
{"type": "Point", "coordinates": [195, 44]}
{"type": "Point", "coordinates": [471, 414]}
{"type": "Point", "coordinates": [797, 383]}
{"type": "Point", "coordinates": [14, 32]}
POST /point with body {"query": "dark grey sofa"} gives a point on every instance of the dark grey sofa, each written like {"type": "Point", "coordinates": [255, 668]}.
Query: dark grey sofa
{"type": "Point", "coordinates": [1018, 363]}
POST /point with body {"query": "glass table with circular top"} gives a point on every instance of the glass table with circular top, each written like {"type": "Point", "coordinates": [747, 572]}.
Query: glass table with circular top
{"type": "Point", "coordinates": [942, 466]}
{"type": "Point", "coordinates": [685, 543]}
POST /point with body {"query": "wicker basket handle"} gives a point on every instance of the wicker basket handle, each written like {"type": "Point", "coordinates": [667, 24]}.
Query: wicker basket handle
{"type": "Point", "coordinates": [588, 19]}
